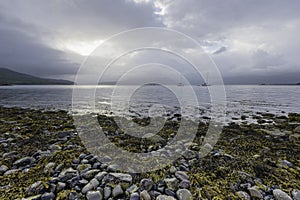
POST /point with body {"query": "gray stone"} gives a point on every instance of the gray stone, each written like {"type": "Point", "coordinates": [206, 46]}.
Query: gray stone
{"type": "Point", "coordinates": [117, 191]}
{"type": "Point", "coordinates": [3, 169]}
{"type": "Point", "coordinates": [184, 184]}
{"type": "Point", "coordinates": [132, 189]}
{"type": "Point", "coordinates": [90, 186]}
{"type": "Point", "coordinates": [281, 195]}
{"type": "Point", "coordinates": [297, 130]}
{"type": "Point", "coordinates": [83, 167]}
{"type": "Point", "coordinates": [243, 195]}
{"type": "Point", "coordinates": [49, 167]}
{"type": "Point", "coordinates": [181, 175]}
{"type": "Point", "coordinates": [146, 184]}
{"type": "Point", "coordinates": [60, 186]}
{"type": "Point", "coordinates": [164, 197]}
{"type": "Point", "coordinates": [107, 192]}
{"type": "Point", "coordinates": [113, 167]}
{"type": "Point", "coordinates": [94, 195]}
{"type": "Point", "coordinates": [54, 147]}
{"type": "Point", "coordinates": [10, 172]}
{"type": "Point", "coordinates": [145, 195]}
{"type": "Point", "coordinates": [67, 174]}
{"type": "Point", "coordinates": [100, 175]}
{"type": "Point", "coordinates": [134, 196]}
{"type": "Point", "coordinates": [36, 188]}
{"type": "Point", "coordinates": [255, 193]}
{"type": "Point", "coordinates": [90, 174]}
{"type": "Point", "coordinates": [122, 177]}
{"type": "Point", "coordinates": [24, 161]}
{"type": "Point", "coordinates": [48, 196]}
{"type": "Point", "coordinates": [296, 194]}
{"type": "Point", "coordinates": [183, 194]}
{"type": "Point", "coordinates": [173, 169]}
{"type": "Point", "coordinates": [171, 183]}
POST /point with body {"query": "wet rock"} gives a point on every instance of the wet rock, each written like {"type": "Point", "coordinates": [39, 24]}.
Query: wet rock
{"type": "Point", "coordinates": [117, 191]}
{"type": "Point", "coordinates": [90, 174]}
{"type": "Point", "coordinates": [164, 197]}
{"type": "Point", "coordinates": [255, 193]}
{"type": "Point", "coordinates": [145, 195]}
{"type": "Point", "coordinates": [134, 196]}
{"type": "Point", "coordinates": [146, 184]}
{"type": "Point", "coordinates": [24, 161]}
{"type": "Point", "coordinates": [181, 175]}
{"type": "Point", "coordinates": [113, 167]}
{"type": "Point", "coordinates": [281, 195]}
{"type": "Point", "coordinates": [48, 196]}
{"type": "Point", "coordinates": [3, 169]}
{"type": "Point", "coordinates": [90, 186]}
{"type": "Point", "coordinates": [243, 195]}
{"type": "Point", "coordinates": [54, 147]}
{"type": "Point", "coordinates": [94, 195]}
{"type": "Point", "coordinates": [183, 194]}
{"type": "Point", "coordinates": [171, 183]}
{"type": "Point", "coordinates": [122, 177]}
{"type": "Point", "coordinates": [83, 167]}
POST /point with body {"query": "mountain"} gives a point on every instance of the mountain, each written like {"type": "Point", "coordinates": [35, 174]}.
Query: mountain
{"type": "Point", "coordinates": [10, 77]}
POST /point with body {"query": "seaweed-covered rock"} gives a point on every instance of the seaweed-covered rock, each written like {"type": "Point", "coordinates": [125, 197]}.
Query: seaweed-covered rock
{"type": "Point", "coordinates": [24, 161]}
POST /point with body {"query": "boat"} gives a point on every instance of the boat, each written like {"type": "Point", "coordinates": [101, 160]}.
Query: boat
{"type": "Point", "coordinates": [205, 84]}
{"type": "Point", "coordinates": [180, 84]}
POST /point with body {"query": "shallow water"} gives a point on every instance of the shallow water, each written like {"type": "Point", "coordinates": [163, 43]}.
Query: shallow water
{"type": "Point", "coordinates": [241, 99]}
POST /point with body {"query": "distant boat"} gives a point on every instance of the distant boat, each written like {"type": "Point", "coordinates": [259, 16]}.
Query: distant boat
{"type": "Point", "coordinates": [180, 84]}
{"type": "Point", "coordinates": [205, 84]}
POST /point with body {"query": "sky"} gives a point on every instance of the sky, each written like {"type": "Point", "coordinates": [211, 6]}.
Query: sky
{"type": "Point", "coordinates": [250, 41]}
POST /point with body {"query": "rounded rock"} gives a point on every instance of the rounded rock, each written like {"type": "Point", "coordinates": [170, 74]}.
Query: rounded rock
{"type": "Point", "coordinates": [183, 194]}
{"type": "Point", "coordinates": [281, 195]}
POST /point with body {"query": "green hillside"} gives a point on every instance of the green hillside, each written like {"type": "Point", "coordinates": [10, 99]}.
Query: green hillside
{"type": "Point", "coordinates": [10, 77]}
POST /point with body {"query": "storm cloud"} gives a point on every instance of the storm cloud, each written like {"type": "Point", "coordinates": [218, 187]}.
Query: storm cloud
{"type": "Point", "coordinates": [251, 41]}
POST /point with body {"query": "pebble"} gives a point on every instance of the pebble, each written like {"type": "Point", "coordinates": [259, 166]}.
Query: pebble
{"type": "Point", "coordinates": [184, 184]}
{"type": "Point", "coordinates": [134, 196]}
{"type": "Point", "coordinates": [91, 185]}
{"type": "Point", "coordinates": [243, 195]}
{"type": "Point", "coordinates": [181, 175]}
{"type": "Point", "coordinates": [3, 169]}
{"type": "Point", "coordinates": [183, 194]}
{"type": "Point", "coordinates": [11, 171]}
{"type": "Point", "coordinates": [60, 186]}
{"type": "Point", "coordinates": [94, 195]}
{"type": "Point", "coordinates": [132, 189]}
{"type": "Point", "coordinates": [281, 195]}
{"type": "Point", "coordinates": [49, 167]}
{"type": "Point", "coordinates": [117, 191]}
{"type": "Point", "coordinates": [107, 192]}
{"type": "Point", "coordinates": [122, 177]}
{"type": "Point", "coordinates": [100, 175]}
{"type": "Point", "coordinates": [48, 196]}
{"type": "Point", "coordinates": [145, 195]}
{"type": "Point", "coordinates": [296, 194]}
{"type": "Point", "coordinates": [164, 197]}
{"type": "Point", "coordinates": [90, 174]}
{"type": "Point", "coordinates": [146, 184]}
{"type": "Point", "coordinates": [172, 183]}
{"type": "Point", "coordinates": [297, 130]}
{"type": "Point", "coordinates": [255, 193]}
{"type": "Point", "coordinates": [36, 187]}
{"type": "Point", "coordinates": [24, 161]}
{"type": "Point", "coordinates": [173, 170]}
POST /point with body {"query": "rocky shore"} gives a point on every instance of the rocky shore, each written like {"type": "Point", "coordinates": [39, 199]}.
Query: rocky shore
{"type": "Point", "coordinates": [42, 157]}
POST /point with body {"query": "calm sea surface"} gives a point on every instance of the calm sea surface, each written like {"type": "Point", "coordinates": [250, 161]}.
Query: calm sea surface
{"type": "Point", "coordinates": [240, 99]}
